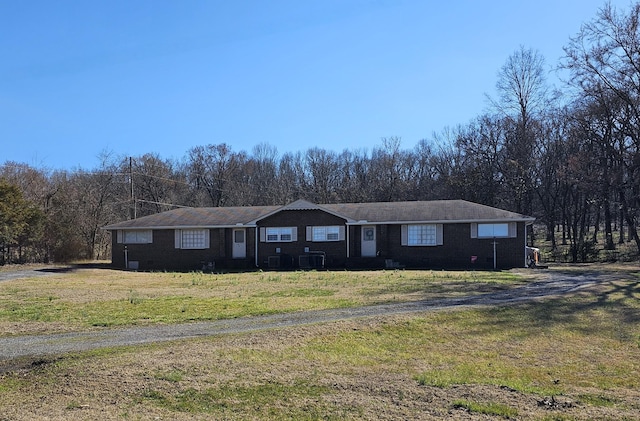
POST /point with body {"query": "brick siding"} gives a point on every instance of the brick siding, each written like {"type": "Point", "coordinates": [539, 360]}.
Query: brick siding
{"type": "Point", "coordinates": [335, 251]}
{"type": "Point", "coordinates": [455, 253]}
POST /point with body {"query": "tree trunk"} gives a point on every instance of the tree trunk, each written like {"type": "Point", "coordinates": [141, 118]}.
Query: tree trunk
{"type": "Point", "coordinates": [608, 233]}
{"type": "Point", "coordinates": [633, 232]}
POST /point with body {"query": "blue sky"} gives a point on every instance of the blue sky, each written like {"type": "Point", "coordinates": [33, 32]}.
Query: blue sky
{"type": "Point", "coordinates": [128, 77]}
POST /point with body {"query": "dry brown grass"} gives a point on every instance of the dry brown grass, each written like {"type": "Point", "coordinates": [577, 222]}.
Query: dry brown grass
{"type": "Point", "coordinates": [570, 358]}
{"type": "Point", "coordinates": [345, 370]}
{"type": "Point", "coordinates": [85, 298]}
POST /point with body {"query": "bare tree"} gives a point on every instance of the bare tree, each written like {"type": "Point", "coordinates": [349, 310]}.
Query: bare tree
{"type": "Point", "coordinates": [322, 171]}
{"type": "Point", "coordinates": [552, 153]}
{"type": "Point", "coordinates": [425, 172]}
{"type": "Point", "coordinates": [155, 183]}
{"type": "Point", "coordinates": [388, 170]}
{"type": "Point", "coordinates": [522, 95]}
{"type": "Point", "coordinates": [262, 175]}
{"type": "Point", "coordinates": [213, 169]}
{"type": "Point", "coordinates": [604, 61]}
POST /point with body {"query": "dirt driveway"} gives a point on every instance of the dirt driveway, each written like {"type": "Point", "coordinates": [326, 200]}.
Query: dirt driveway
{"type": "Point", "coordinates": [545, 285]}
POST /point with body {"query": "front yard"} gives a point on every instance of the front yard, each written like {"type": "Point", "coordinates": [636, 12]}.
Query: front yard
{"type": "Point", "coordinates": [567, 358]}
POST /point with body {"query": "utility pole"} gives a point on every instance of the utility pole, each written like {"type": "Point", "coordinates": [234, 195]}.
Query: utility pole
{"type": "Point", "coordinates": [133, 199]}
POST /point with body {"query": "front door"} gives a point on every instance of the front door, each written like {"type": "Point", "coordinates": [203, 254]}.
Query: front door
{"type": "Point", "coordinates": [239, 243]}
{"type": "Point", "coordinates": [369, 241]}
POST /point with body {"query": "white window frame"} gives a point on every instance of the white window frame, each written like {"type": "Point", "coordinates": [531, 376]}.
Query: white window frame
{"type": "Point", "coordinates": [135, 236]}
{"type": "Point", "coordinates": [421, 235]}
{"type": "Point", "coordinates": [494, 230]}
{"type": "Point", "coordinates": [280, 234]}
{"type": "Point", "coordinates": [192, 239]}
{"type": "Point", "coordinates": [412, 238]}
{"type": "Point", "coordinates": [324, 233]}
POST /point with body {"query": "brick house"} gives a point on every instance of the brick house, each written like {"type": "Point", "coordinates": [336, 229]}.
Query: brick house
{"type": "Point", "coordinates": [438, 234]}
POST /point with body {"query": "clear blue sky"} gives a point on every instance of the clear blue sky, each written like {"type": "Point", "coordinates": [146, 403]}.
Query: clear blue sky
{"type": "Point", "coordinates": [128, 77]}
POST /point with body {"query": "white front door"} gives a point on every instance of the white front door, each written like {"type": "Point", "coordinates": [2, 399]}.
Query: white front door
{"type": "Point", "coordinates": [239, 243]}
{"type": "Point", "coordinates": [369, 241]}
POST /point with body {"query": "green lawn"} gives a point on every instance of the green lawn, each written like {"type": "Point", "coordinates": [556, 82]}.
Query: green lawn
{"type": "Point", "coordinates": [567, 358]}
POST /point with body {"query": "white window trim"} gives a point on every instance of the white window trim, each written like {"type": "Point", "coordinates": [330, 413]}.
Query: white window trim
{"type": "Point", "coordinates": [321, 233]}
{"type": "Point", "coordinates": [179, 242]}
{"type": "Point", "coordinates": [146, 238]}
{"type": "Point", "coordinates": [404, 233]}
{"type": "Point", "coordinates": [512, 230]}
{"type": "Point", "coordinates": [280, 232]}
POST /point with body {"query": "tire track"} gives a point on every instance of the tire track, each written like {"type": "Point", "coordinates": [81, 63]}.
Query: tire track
{"type": "Point", "coordinates": [556, 284]}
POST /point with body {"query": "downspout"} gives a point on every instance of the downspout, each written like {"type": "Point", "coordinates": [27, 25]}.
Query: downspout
{"type": "Point", "coordinates": [126, 257]}
{"type": "Point", "coordinates": [495, 262]}
{"type": "Point", "coordinates": [348, 253]}
{"type": "Point", "coordinates": [256, 240]}
{"type": "Point", "coordinates": [525, 241]}
{"type": "Point", "coordinates": [525, 244]}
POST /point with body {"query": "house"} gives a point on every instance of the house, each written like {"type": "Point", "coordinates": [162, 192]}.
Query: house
{"type": "Point", "coordinates": [415, 234]}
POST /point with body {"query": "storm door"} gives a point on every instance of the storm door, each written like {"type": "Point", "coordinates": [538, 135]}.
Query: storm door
{"type": "Point", "coordinates": [368, 241]}
{"type": "Point", "coordinates": [239, 243]}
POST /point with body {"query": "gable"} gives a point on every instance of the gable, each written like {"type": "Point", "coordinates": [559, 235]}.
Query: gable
{"type": "Point", "coordinates": [304, 206]}
{"type": "Point", "coordinates": [301, 218]}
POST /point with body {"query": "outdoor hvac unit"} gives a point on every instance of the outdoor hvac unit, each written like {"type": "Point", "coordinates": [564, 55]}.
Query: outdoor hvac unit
{"type": "Point", "coordinates": [311, 261]}
{"type": "Point", "coordinates": [273, 262]}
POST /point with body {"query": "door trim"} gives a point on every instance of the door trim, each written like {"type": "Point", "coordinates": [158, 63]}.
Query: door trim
{"type": "Point", "coordinates": [368, 236]}
{"type": "Point", "coordinates": [239, 249]}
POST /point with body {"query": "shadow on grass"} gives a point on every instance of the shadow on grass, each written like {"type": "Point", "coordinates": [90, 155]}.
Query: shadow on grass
{"type": "Point", "coordinates": [612, 307]}
{"type": "Point", "coordinates": [75, 266]}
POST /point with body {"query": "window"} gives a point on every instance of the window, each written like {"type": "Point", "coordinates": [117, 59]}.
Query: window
{"type": "Point", "coordinates": [368, 234]}
{"type": "Point", "coordinates": [325, 233]}
{"type": "Point", "coordinates": [280, 234]}
{"type": "Point", "coordinates": [192, 239]}
{"type": "Point", "coordinates": [136, 237]}
{"type": "Point", "coordinates": [422, 235]}
{"type": "Point", "coordinates": [331, 233]}
{"type": "Point", "coordinates": [499, 230]}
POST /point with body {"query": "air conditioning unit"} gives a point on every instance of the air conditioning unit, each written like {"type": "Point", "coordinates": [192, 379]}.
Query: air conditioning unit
{"type": "Point", "coordinates": [273, 262]}
{"type": "Point", "coordinates": [311, 261]}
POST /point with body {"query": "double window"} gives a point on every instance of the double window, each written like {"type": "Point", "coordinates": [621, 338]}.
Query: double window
{"type": "Point", "coordinates": [279, 234]}
{"type": "Point", "coordinates": [325, 233]}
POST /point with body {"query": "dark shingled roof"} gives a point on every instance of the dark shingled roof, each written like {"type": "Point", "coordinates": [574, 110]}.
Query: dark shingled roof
{"type": "Point", "coordinates": [429, 211]}
{"type": "Point", "coordinates": [197, 217]}
{"type": "Point", "coordinates": [382, 212]}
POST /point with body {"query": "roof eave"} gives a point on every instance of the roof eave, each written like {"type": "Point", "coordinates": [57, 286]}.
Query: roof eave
{"type": "Point", "coordinates": [172, 227]}
{"type": "Point", "coordinates": [444, 221]}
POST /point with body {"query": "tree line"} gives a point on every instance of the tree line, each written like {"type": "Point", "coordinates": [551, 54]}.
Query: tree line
{"type": "Point", "coordinates": [568, 156]}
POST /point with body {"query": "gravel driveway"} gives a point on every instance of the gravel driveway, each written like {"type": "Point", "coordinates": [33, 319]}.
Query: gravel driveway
{"type": "Point", "coordinates": [548, 284]}
{"type": "Point", "coordinates": [28, 273]}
